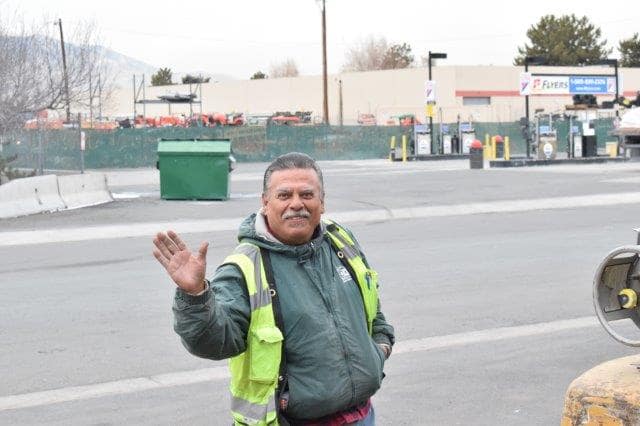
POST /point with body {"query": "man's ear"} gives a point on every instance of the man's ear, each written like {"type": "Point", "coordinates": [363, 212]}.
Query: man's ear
{"type": "Point", "coordinates": [265, 200]}
{"type": "Point", "coordinates": [322, 207]}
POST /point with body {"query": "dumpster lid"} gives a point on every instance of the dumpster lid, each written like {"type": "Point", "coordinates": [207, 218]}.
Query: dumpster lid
{"type": "Point", "coordinates": [222, 146]}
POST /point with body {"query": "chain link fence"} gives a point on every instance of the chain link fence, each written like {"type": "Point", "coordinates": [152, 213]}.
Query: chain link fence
{"type": "Point", "coordinates": [131, 148]}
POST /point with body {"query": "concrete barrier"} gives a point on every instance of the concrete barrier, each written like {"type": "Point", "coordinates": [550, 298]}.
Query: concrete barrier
{"type": "Point", "coordinates": [84, 190]}
{"type": "Point", "coordinates": [608, 394]}
{"type": "Point", "coordinates": [30, 195]}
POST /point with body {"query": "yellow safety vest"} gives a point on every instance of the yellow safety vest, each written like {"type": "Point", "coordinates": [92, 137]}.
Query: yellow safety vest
{"type": "Point", "coordinates": [254, 373]}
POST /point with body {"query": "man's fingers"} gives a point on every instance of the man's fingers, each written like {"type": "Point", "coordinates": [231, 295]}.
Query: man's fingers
{"type": "Point", "coordinates": [202, 251]}
{"type": "Point", "coordinates": [163, 260]}
{"type": "Point", "coordinates": [160, 243]}
{"type": "Point", "coordinates": [177, 240]}
{"type": "Point", "coordinates": [172, 246]}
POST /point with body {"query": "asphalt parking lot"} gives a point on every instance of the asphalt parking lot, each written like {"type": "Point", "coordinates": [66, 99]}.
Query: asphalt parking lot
{"type": "Point", "coordinates": [486, 275]}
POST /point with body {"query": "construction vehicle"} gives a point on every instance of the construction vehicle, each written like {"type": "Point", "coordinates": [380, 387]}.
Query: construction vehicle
{"type": "Point", "coordinates": [287, 118]}
{"type": "Point", "coordinates": [403, 120]}
{"type": "Point", "coordinates": [609, 394]}
{"type": "Point", "coordinates": [366, 119]}
{"type": "Point", "coordinates": [235, 119]}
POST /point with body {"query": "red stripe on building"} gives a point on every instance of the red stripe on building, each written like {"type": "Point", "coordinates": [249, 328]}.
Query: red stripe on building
{"type": "Point", "coordinates": [512, 93]}
{"type": "Point", "coordinates": [486, 93]}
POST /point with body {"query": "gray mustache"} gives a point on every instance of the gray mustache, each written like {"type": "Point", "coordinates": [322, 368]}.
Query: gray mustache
{"type": "Point", "coordinates": [291, 214]}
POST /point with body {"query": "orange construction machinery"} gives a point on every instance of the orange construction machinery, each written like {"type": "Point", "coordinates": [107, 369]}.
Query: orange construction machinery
{"type": "Point", "coordinates": [288, 118]}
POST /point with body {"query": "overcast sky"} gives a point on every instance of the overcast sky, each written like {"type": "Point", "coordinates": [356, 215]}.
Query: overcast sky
{"type": "Point", "coordinates": [240, 37]}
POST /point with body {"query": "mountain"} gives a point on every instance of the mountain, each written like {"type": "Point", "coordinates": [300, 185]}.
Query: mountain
{"type": "Point", "coordinates": [127, 66]}
{"type": "Point", "coordinates": [122, 66]}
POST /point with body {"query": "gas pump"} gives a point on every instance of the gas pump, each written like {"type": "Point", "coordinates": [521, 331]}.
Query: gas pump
{"type": "Point", "coordinates": [546, 138]}
{"type": "Point", "coordinates": [574, 138]}
{"type": "Point", "coordinates": [447, 145]}
{"type": "Point", "coordinates": [422, 138]}
{"type": "Point", "coordinates": [467, 136]}
{"type": "Point", "coordinates": [586, 144]}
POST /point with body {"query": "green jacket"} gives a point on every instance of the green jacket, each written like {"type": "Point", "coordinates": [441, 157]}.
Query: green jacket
{"type": "Point", "coordinates": [332, 361]}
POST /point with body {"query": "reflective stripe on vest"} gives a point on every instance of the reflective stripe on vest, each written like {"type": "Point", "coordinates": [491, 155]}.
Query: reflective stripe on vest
{"type": "Point", "coordinates": [252, 413]}
{"type": "Point", "coordinates": [254, 372]}
{"type": "Point", "coordinates": [367, 279]}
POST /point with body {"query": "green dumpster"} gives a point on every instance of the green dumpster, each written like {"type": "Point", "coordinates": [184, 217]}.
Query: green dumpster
{"type": "Point", "coordinates": [194, 169]}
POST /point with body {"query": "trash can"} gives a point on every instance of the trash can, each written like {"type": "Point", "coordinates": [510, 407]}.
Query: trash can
{"type": "Point", "coordinates": [194, 169]}
{"type": "Point", "coordinates": [476, 160]}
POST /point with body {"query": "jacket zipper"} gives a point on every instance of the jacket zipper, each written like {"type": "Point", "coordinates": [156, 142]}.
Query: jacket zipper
{"type": "Point", "coordinates": [345, 353]}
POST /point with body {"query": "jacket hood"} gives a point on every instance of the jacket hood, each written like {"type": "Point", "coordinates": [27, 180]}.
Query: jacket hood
{"type": "Point", "coordinates": [254, 230]}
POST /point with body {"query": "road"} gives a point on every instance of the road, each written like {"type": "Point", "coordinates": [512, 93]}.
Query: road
{"type": "Point", "coordinates": [486, 275]}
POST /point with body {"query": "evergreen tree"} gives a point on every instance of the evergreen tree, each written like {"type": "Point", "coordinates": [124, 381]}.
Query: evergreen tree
{"type": "Point", "coordinates": [192, 79]}
{"type": "Point", "coordinates": [162, 77]}
{"type": "Point", "coordinates": [397, 56]}
{"type": "Point", "coordinates": [258, 76]}
{"type": "Point", "coordinates": [630, 51]}
{"type": "Point", "coordinates": [566, 40]}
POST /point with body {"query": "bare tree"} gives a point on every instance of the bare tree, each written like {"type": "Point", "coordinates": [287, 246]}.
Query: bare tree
{"type": "Point", "coordinates": [31, 72]}
{"type": "Point", "coordinates": [287, 68]}
{"type": "Point", "coordinates": [367, 55]}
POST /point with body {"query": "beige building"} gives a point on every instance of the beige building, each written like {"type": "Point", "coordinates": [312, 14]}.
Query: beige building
{"type": "Point", "coordinates": [470, 93]}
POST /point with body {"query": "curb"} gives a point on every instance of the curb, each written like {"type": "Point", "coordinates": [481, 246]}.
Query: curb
{"type": "Point", "coordinates": [527, 162]}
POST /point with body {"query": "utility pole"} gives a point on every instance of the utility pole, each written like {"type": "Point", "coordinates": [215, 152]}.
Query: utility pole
{"type": "Point", "coordinates": [325, 100]}
{"type": "Point", "coordinates": [341, 116]}
{"type": "Point", "coordinates": [99, 96]}
{"type": "Point", "coordinates": [90, 102]}
{"type": "Point", "coordinates": [64, 69]}
{"type": "Point", "coordinates": [527, 137]}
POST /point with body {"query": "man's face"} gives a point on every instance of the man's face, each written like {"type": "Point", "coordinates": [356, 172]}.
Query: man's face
{"type": "Point", "coordinates": [293, 204]}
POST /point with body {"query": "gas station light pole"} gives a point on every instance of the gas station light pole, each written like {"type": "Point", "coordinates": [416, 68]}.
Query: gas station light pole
{"type": "Point", "coordinates": [533, 60]}
{"type": "Point", "coordinates": [434, 55]}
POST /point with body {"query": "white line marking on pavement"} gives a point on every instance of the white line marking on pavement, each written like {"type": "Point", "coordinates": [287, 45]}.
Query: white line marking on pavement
{"type": "Point", "coordinates": [54, 396]}
{"type": "Point", "coordinates": [490, 335]}
{"type": "Point", "coordinates": [118, 387]}
{"type": "Point", "coordinates": [43, 236]}
{"type": "Point", "coordinates": [114, 231]}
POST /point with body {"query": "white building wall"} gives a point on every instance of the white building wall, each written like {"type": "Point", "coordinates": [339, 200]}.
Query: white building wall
{"type": "Point", "coordinates": [383, 93]}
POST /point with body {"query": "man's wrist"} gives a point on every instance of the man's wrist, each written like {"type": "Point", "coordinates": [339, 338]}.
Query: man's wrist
{"type": "Point", "coordinates": [205, 287]}
{"type": "Point", "coordinates": [386, 349]}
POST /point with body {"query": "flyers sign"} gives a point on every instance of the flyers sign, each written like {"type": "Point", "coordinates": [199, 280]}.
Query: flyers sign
{"type": "Point", "coordinates": [549, 85]}
{"type": "Point", "coordinates": [531, 84]}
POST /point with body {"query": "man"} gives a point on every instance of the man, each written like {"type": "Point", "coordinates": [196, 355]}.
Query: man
{"type": "Point", "coordinates": [295, 307]}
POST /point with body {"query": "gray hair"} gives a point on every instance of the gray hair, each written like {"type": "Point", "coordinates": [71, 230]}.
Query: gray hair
{"type": "Point", "coordinates": [292, 160]}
